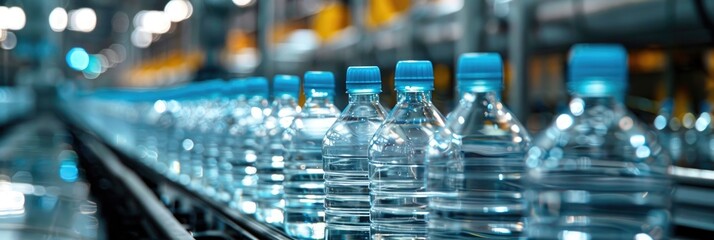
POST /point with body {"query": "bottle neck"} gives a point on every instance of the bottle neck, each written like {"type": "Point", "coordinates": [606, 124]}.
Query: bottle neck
{"type": "Point", "coordinates": [285, 101]}
{"type": "Point", "coordinates": [368, 97]}
{"type": "Point", "coordinates": [481, 95]}
{"type": "Point", "coordinates": [581, 102]}
{"type": "Point", "coordinates": [421, 96]}
{"type": "Point", "coordinates": [319, 93]}
{"type": "Point", "coordinates": [319, 101]}
{"type": "Point", "coordinates": [257, 101]}
{"type": "Point", "coordinates": [239, 98]}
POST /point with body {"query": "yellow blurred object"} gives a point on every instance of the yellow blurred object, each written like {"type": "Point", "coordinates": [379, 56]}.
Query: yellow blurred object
{"type": "Point", "coordinates": [237, 40]}
{"type": "Point", "coordinates": [661, 92]}
{"type": "Point", "coordinates": [388, 89]}
{"type": "Point", "coordinates": [442, 78]}
{"type": "Point", "coordinates": [650, 60]}
{"type": "Point", "coordinates": [301, 97]}
{"type": "Point", "coordinates": [709, 60]}
{"type": "Point", "coordinates": [507, 75]}
{"type": "Point", "coordinates": [681, 103]}
{"type": "Point", "coordinates": [381, 12]}
{"type": "Point", "coordinates": [331, 20]}
{"type": "Point", "coordinates": [709, 64]}
{"type": "Point", "coordinates": [172, 68]}
{"type": "Point", "coordinates": [281, 31]}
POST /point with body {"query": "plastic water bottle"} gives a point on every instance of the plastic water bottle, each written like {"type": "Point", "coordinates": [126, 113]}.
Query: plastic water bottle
{"type": "Point", "coordinates": [397, 156]}
{"type": "Point", "coordinates": [345, 150]}
{"type": "Point", "coordinates": [202, 110]}
{"type": "Point", "coordinates": [247, 153]}
{"type": "Point", "coordinates": [475, 172]}
{"type": "Point", "coordinates": [213, 184]}
{"type": "Point", "coordinates": [270, 162]}
{"type": "Point", "coordinates": [597, 173]}
{"type": "Point", "coordinates": [235, 108]}
{"type": "Point", "coordinates": [304, 177]}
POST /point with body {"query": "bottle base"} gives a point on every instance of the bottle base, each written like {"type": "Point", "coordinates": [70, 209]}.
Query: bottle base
{"type": "Point", "coordinates": [306, 230]}
{"type": "Point", "coordinates": [272, 216]}
{"type": "Point", "coordinates": [347, 232]}
{"type": "Point", "coordinates": [398, 232]}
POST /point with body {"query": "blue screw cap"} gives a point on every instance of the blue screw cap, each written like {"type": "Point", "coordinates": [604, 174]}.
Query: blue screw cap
{"type": "Point", "coordinates": [208, 87]}
{"type": "Point", "coordinates": [480, 72]}
{"type": "Point", "coordinates": [286, 85]}
{"type": "Point", "coordinates": [319, 81]}
{"type": "Point", "coordinates": [235, 87]}
{"type": "Point", "coordinates": [256, 87]}
{"type": "Point", "coordinates": [598, 69]}
{"type": "Point", "coordinates": [414, 75]}
{"type": "Point", "coordinates": [364, 79]}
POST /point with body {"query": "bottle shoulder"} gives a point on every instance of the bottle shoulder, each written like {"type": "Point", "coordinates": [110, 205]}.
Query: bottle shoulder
{"type": "Point", "coordinates": [309, 112]}
{"type": "Point", "coordinates": [486, 120]}
{"type": "Point", "coordinates": [599, 133]}
{"type": "Point", "coordinates": [352, 131]}
{"type": "Point", "coordinates": [306, 126]}
{"type": "Point", "coordinates": [363, 110]}
{"type": "Point", "coordinates": [410, 127]}
{"type": "Point", "coordinates": [415, 113]}
{"type": "Point", "coordinates": [617, 123]}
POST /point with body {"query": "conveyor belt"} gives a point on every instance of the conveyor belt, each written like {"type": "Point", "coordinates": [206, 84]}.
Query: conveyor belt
{"type": "Point", "coordinates": [163, 221]}
{"type": "Point", "coordinates": [43, 191]}
{"type": "Point", "coordinates": [205, 217]}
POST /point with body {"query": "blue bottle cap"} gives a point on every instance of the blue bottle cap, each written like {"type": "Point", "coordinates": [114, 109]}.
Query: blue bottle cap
{"type": "Point", "coordinates": [414, 75]}
{"type": "Point", "coordinates": [256, 87]}
{"type": "Point", "coordinates": [235, 87]}
{"type": "Point", "coordinates": [480, 72]}
{"type": "Point", "coordinates": [598, 70]}
{"type": "Point", "coordinates": [318, 81]}
{"type": "Point", "coordinates": [175, 93]}
{"type": "Point", "coordinates": [207, 88]}
{"type": "Point", "coordinates": [286, 85]}
{"type": "Point", "coordinates": [364, 79]}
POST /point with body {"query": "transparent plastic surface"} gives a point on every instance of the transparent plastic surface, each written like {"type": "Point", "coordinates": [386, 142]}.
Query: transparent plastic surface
{"type": "Point", "coordinates": [475, 173]}
{"type": "Point", "coordinates": [304, 183]}
{"type": "Point", "coordinates": [397, 157]}
{"type": "Point", "coordinates": [249, 145]}
{"type": "Point", "coordinates": [345, 151]}
{"type": "Point", "coordinates": [270, 162]}
{"type": "Point", "coordinates": [597, 173]}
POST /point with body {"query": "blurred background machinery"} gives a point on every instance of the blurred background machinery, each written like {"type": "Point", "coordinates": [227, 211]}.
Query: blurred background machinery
{"type": "Point", "coordinates": [50, 45]}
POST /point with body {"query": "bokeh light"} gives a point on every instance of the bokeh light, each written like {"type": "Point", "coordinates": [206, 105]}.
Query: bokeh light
{"type": "Point", "coordinates": [15, 18]}
{"type": "Point", "coordinates": [77, 59]}
{"type": "Point", "coordinates": [243, 3]}
{"type": "Point", "coordinates": [9, 42]}
{"type": "Point", "coordinates": [152, 22]}
{"type": "Point", "coordinates": [82, 20]}
{"type": "Point", "coordinates": [58, 19]}
{"type": "Point", "coordinates": [178, 10]}
{"type": "Point", "coordinates": [140, 38]}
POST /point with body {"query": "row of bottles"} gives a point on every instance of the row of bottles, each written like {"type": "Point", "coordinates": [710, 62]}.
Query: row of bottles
{"type": "Point", "coordinates": [410, 173]}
